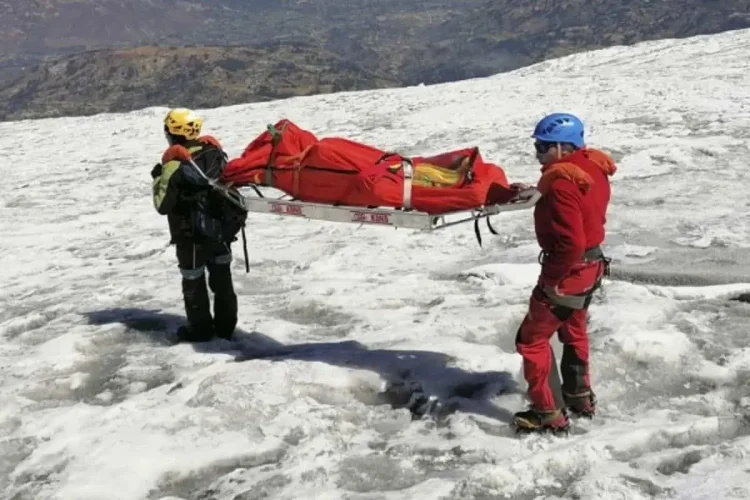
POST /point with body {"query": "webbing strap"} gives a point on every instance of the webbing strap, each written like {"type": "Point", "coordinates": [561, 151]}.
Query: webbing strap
{"type": "Point", "coordinates": [589, 255]}
{"type": "Point", "coordinates": [582, 300]}
{"type": "Point", "coordinates": [593, 253]}
{"type": "Point", "coordinates": [479, 234]}
{"type": "Point", "coordinates": [275, 140]}
{"type": "Point", "coordinates": [579, 301]}
{"type": "Point", "coordinates": [408, 168]}
{"type": "Point", "coordinates": [244, 250]}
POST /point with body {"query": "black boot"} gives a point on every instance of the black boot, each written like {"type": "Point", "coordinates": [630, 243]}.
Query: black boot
{"type": "Point", "coordinates": [579, 398]}
{"type": "Point", "coordinates": [198, 311]}
{"type": "Point", "coordinates": [582, 404]}
{"type": "Point", "coordinates": [225, 300]}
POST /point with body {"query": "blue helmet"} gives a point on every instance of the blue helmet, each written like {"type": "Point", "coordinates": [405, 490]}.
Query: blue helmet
{"type": "Point", "coordinates": [560, 127]}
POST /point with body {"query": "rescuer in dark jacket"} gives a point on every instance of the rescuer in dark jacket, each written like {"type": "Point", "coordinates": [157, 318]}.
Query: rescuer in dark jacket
{"type": "Point", "coordinates": [201, 225]}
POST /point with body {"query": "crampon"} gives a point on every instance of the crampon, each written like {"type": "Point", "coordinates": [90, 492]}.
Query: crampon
{"type": "Point", "coordinates": [543, 422]}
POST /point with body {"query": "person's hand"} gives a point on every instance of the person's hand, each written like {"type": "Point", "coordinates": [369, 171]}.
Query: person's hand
{"type": "Point", "coordinates": [156, 171]}
{"type": "Point", "coordinates": [520, 186]}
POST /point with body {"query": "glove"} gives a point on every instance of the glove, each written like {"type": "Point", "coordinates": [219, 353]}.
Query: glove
{"type": "Point", "coordinates": [520, 186]}
{"type": "Point", "coordinates": [156, 171]}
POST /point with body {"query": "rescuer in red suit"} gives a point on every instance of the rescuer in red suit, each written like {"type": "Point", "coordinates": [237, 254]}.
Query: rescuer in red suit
{"type": "Point", "coordinates": [569, 222]}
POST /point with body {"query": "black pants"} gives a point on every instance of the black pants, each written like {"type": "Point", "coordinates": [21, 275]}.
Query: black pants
{"type": "Point", "coordinates": [193, 259]}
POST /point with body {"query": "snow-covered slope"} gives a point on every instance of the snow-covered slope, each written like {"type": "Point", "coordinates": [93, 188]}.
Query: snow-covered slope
{"type": "Point", "coordinates": [95, 404]}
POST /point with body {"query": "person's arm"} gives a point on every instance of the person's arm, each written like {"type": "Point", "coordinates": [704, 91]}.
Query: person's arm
{"type": "Point", "coordinates": [175, 178]}
{"type": "Point", "coordinates": [165, 186]}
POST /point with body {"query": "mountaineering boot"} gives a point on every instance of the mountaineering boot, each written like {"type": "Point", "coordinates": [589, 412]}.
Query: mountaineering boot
{"type": "Point", "coordinates": [198, 311]}
{"type": "Point", "coordinates": [186, 334]}
{"type": "Point", "coordinates": [225, 300]}
{"type": "Point", "coordinates": [582, 404]}
{"type": "Point", "coordinates": [533, 420]}
{"type": "Point", "coordinates": [577, 394]}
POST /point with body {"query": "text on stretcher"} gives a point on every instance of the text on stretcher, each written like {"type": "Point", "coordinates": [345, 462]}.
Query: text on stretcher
{"type": "Point", "coordinates": [283, 208]}
{"type": "Point", "coordinates": [373, 218]}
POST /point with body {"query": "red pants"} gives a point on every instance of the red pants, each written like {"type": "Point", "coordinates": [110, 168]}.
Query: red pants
{"type": "Point", "coordinates": [541, 322]}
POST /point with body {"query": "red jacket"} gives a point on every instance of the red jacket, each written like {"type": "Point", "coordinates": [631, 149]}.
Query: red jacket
{"type": "Point", "coordinates": [569, 218]}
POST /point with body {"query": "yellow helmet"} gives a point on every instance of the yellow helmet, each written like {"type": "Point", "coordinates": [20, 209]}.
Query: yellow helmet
{"type": "Point", "coordinates": [182, 121]}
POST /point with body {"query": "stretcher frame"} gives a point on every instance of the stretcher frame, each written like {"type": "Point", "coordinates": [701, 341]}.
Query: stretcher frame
{"type": "Point", "coordinates": [403, 217]}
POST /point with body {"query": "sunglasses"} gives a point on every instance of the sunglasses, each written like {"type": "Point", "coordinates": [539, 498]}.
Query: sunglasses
{"type": "Point", "coordinates": [543, 147]}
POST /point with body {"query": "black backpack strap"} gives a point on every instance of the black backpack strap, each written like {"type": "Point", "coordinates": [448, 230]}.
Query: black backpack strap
{"type": "Point", "coordinates": [244, 249]}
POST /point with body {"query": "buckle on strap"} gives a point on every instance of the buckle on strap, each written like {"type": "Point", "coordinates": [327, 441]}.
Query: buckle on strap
{"type": "Point", "coordinates": [596, 254]}
{"type": "Point", "coordinates": [589, 255]}
{"type": "Point", "coordinates": [593, 253]}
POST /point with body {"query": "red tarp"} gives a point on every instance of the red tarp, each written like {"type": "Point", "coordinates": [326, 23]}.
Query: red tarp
{"type": "Point", "coordinates": [338, 171]}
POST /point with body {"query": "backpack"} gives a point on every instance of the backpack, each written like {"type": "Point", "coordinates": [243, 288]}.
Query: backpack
{"type": "Point", "coordinates": [226, 208]}
{"type": "Point", "coordinates": [219, 215]}
{"type": "Point", "coordinates": [220, 212]}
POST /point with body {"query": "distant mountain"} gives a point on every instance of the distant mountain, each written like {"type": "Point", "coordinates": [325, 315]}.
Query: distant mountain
{"type": "Point", "coordinates": [125, 79]}
{"type": "Point", "coordinates": [42, 27]}
{"type": "Point", "coordinates": [547, 28]}
{"type": "Point", "coordinates": [401, 41]}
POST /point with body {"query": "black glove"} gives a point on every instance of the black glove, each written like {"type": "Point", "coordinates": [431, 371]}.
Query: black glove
{"type": "Point", "coordinates": [156, 171]}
